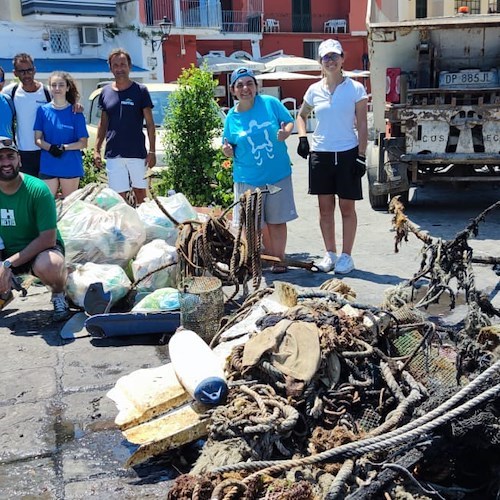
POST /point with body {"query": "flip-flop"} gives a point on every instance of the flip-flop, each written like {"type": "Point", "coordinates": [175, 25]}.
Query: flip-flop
{"type": "Point", "coordinates": [96, 300]}
{"type": "Point", "coordinates": [279, 269]}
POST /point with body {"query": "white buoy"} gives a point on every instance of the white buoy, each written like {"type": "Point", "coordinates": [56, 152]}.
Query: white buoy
{"type": "Point", "coordinates": [197, 367]}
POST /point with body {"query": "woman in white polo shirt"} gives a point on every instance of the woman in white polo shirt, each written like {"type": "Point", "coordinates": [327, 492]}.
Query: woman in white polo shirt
{"type": "Point", "coordinates": [337, 152]}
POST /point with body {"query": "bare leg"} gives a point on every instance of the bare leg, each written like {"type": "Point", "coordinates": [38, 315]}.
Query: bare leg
{"type": "Point", "coordinates": [349, 224]}
{"type": "Point", "coordinates": [53, 185]}
{"type": "Point", "coordinates": [68, 186]}
{"type": "Point", "coordinates": [50, 267]}
{"type": "Point", "coordinates": [327, 220]}
{"type": "Point", "coordinates": [277, 240]}
{"type": "Point", "coordinates": [140, 195]}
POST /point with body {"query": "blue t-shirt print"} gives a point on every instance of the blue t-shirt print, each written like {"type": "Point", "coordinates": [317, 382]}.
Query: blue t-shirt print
{"type": "Point", "coordinates": [259, 140]}
{"type": "Point", "coordinates": [259, 157]}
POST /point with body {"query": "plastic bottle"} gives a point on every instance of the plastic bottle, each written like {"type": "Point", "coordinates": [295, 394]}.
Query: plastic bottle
{"type": "Point", "coordinates": [197, 367]}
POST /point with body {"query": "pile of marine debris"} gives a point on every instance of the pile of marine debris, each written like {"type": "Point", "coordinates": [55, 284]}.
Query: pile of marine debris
{"type": "Point", "coordinates": [330, 398]}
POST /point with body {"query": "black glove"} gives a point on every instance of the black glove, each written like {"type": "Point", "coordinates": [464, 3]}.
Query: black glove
{"type": "Point", "coordinates": [360, 166]}
{"type": "Point", "coordinates": [303, 147]}
{"type": "Point", "coordinates": [56, 150]}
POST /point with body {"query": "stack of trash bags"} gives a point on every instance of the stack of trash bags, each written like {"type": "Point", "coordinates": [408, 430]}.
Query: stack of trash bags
{"type": "Point", "coordinates": [110, 242]}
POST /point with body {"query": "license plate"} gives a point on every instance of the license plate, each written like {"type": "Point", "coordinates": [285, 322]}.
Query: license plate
{"type": "Point", "coordinates": [469, 78]}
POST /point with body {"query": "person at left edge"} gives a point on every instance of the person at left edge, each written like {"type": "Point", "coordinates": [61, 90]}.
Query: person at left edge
{"type": "Point", "coordinates": [61, 135]}
{"type": "Point", "coordinates": [7, 112]}
{"type": "Point", "coordinates": [28, 229]}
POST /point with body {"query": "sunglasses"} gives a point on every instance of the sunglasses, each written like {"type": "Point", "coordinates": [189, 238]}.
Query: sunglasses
{"type": "Point", "coordinates": [330, 57]}
{"type": "Point", "coordinates": [25, 71]}
{"type": "Point", "coordinates": [6, 142]}
{"type": "Point", "coordinates": [2, 78]}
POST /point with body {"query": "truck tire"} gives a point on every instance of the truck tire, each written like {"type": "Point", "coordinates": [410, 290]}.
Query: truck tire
{"type": "Point", "coordinates": [377, 201]}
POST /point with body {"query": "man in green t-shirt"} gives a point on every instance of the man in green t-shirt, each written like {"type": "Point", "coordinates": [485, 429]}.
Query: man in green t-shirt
{"type": "Point", "coordinates": [28, 230]}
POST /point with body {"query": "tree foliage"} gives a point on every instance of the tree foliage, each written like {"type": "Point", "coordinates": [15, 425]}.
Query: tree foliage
{"type": "Point", "coordinates": [192, 123]}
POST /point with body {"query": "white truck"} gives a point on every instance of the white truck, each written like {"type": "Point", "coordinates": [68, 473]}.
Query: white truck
{"type": "Point", "coordinates": [436, 102]}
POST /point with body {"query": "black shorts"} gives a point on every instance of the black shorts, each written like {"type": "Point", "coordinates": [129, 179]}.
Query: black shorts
{"type": "Point", "coordinates": [27, 267]}
{"type": "Point", "coordinates": [30, 162]}
{"type": "Point", "coordinates": [335, 173]}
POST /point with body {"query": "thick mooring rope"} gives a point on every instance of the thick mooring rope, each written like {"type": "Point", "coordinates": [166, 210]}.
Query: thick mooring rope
{"type": "Point", "coordinates": [414, 429]}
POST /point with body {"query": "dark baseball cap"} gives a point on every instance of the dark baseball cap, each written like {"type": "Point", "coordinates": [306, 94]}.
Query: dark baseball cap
{"type": "Point", "coordinates": [239, 73]}
{"type": "Point", "coordinates": [8, 143]}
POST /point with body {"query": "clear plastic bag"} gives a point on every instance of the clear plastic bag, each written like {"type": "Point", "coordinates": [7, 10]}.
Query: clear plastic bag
{"type": "Point", "coordinates": [112, 277]}
{"type": "Point", "coordinates": [158, 225]}
{"type": "Point", "coordinates": [92, 234]}
{"type": "Point", "coordinates": [151, 256]}
{"type": "Point", "coordinates": [163, 299]}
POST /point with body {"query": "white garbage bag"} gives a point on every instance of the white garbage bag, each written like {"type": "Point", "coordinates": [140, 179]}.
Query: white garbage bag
{"type": "Point", "coordinates": [112, 277]}
{"type": "Point", "coordinates": [153, 255]}
{"type": "Point", "coordinates": [92, 234]}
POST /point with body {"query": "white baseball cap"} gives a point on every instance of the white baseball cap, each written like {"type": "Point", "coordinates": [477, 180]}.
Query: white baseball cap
{"type": "Point", "coordinates": [329, 46]}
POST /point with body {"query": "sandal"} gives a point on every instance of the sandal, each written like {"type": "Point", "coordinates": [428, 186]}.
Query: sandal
{"type": "Point", "coordinates": [279, 269]}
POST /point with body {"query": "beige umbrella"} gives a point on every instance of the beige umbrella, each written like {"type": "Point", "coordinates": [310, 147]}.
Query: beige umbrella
{"type": "Point", "coordinates": [284, 75]}
{"type": "Point", "coordinates": [221, 64]}
{"type": "Point", "coordinates": [292, 64]}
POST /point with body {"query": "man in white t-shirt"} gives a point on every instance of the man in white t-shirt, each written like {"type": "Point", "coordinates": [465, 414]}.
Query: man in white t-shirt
{"type": "Point", "coordinates": [28, 96]}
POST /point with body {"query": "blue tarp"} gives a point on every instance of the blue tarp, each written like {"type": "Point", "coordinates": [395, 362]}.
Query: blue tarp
{"type": "Point", "coordinates": [73, 65]}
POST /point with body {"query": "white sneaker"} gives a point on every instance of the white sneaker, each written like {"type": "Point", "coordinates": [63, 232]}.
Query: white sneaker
{"type": "Point", "coordinates": [344, 264]}
{"type": "Point", "coordinates": [327, 263]}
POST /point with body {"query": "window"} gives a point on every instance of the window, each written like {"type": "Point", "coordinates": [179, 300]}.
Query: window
{"type": "Point", "coordinates": [421, 9]}
{"type": "Point", "coordinates": [301, 16]}
{"type": "Point", "coordinates": [493, 6]}
{"type": "Point", "coordinates": [311, 49]}
{"type": "Point", "coordinates": [59, 41]}
{"type": "Point", "coordinates": [473, 5]}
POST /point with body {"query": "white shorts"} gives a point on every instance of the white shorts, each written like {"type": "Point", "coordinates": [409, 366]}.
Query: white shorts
{"type": "Point", "coordinates": [126, 172]}
{"type": "Point", "coordinates": [277, 208]}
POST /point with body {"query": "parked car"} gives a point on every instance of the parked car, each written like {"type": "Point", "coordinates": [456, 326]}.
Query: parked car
{"type": "Point", "coordinates": [160, 93]}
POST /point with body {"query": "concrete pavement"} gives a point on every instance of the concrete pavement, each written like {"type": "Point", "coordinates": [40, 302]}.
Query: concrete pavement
{"type": "Point", "coordinates": [57, 433]}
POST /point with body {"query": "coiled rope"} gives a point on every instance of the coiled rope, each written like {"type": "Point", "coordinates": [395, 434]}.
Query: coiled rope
{"type": "Point", "coordinates": [414, 429]}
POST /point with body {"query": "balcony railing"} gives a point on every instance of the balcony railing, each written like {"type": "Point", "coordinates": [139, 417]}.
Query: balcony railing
{"type": "Point", "coordinates": [92, 8]}
{"type": "Point", "coordinates": [237, 21]}
{"type": "Point", "coordinates": [204, 14]}
{"type": "Point", "coordinates": [300, 23]}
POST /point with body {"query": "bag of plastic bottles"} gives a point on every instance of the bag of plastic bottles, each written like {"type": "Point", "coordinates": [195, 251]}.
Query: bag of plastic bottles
{"type": "Point", "coordinates": [92, 234]}
{"type": "Point", "coordinates": [155, 255]}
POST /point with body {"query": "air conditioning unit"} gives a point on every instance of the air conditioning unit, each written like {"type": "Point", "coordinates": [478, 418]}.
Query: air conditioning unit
{"type": "Point", "coordinates": [90, 35]}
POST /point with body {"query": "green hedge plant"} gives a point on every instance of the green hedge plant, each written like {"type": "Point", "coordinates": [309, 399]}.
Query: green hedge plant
{"type": "Point", "coordinates": [193, 124]}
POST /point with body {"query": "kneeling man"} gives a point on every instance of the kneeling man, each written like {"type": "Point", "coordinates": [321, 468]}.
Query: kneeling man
{"type": "Point", "coordinates": [28, 229]}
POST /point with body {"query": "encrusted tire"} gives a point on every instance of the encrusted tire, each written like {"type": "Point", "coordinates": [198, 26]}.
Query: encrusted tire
{"type": "Point", "coordinates": [377, 201]}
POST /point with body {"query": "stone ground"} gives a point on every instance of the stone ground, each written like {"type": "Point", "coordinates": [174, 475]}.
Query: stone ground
{"type": "Point", "coordinates": [57, 434]}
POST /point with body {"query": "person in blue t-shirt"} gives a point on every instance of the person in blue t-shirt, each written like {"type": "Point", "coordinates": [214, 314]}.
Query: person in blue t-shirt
{"type": "Point", "coordinates": [255, 131]}
{"type": "Point", "coordinates": [6, 110]}
{"type": "Point", "coordinates": [61, 134]}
